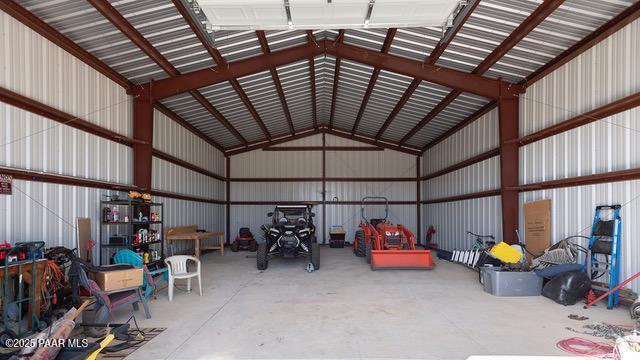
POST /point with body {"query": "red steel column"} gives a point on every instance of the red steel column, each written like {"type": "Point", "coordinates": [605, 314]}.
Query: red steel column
{"type": "Point", "coordinates": [143, 131]}
{"type": "Point", "coordinates": [228, 194]}
{"type": "Point", "coordinates": [418, 204]}
{"type": "Point", "coordinates": [509, 167]}
{"type": "Point", "coordinates": [324, 189]}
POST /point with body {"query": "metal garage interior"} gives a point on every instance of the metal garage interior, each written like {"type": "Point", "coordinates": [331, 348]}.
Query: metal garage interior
{"type": "Point", "coordinates": [458, 112]}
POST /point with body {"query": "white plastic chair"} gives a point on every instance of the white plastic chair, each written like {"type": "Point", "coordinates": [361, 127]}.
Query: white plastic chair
{"type": "Point", "coordinates": [177, 265]}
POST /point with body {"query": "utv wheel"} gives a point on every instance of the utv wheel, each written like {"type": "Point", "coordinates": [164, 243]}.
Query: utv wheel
{"type": "Point", "coordinates": [253, 246]}
{"type": "Point", "coordinates": [262, 260]}
{"type": "Point", "coordinates": [315, 255]}
{"type": "Point", "coordinates": [360, 249]}
{"type": "Point", "coordinates": [368, 252]}
{"type": "Point", "coordinates": [234, 246]}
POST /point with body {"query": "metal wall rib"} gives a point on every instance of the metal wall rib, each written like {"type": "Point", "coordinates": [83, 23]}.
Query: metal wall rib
{"type": "Point", "coordinates": [296, 86]}
{"type": "Point", "coordinates": [261, 91]}
{"type": "Point", "coordinates": [388, 89]}
{"type": "Point", "coordinates": [352, 84]}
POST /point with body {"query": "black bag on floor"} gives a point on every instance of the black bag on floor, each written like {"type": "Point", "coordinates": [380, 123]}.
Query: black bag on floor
{"type": "Point", "coordinates": [567, 288]}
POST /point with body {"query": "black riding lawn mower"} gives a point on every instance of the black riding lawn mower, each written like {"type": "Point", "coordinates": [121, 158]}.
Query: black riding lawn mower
{"type": "Point", "coordinates": [290, 234]}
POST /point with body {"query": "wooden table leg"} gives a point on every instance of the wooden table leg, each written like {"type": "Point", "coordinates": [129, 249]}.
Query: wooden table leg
{"type": "Point", "coordinates": [221, 237]}
{"type": "Point", "coordinates": [198, 248]}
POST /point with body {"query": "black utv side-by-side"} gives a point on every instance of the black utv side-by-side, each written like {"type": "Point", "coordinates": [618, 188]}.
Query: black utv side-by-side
{"type": "Point", "coordinates": [291, 233]}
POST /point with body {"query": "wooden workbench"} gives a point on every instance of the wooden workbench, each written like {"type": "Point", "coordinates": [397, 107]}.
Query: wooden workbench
{"type": "Point", "coordinates": [26, 277]}
{"type": "Point", "coordinates": [190, 233]}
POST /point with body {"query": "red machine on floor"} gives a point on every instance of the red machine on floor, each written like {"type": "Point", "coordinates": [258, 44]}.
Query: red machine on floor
{"type": "Point", "coordinates": [244, 241]}
{"type": "Point", "coordinates": [388, 246]}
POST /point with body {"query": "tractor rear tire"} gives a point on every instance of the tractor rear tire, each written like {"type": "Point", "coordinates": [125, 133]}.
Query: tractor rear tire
{"type": "Point", "coordinates": [368, 252]}
{"type": "Point", "coordinates": [360, 249]}
{"type": "Point", "coordinates": [315, 255]}
{"type": "Point", "coordinates": [253, 246]}
{"type": "Point", "coordinates": [261, 256]}
{"type": "Point", "coordinates": [234, 246]}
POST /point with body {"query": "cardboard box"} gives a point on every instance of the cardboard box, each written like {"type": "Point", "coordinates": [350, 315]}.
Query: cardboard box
{"type": "Point", "coordinates": [118, 279]}
{"type": "Point", "coordinates": [537, 226]}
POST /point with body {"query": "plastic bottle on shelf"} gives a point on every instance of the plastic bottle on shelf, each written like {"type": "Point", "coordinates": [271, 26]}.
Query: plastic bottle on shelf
{"type": "Point", "coordinates": [115, 214]}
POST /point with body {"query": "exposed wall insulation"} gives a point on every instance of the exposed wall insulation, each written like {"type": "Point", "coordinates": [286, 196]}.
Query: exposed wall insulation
{"type": "Point", "coordinates": [476, 138]}
{"type": "Point", "coordinates": [173, 139]}
{"type": "Point", "coordinates": [40, 70]}
{"type": "Point", "coordinates": [453, 219]}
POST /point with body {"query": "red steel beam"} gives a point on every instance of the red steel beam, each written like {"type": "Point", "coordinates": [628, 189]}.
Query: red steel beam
{"type": "Point", "coordinates": [627, 16]}
{"type": "Point", "coordinates": [473, 117]}
{"type": "Point", "coordinates": [431, 60]}
{"type": "Point", "coordinates": [602, 178]}
{"type": "Point", "coordinates": [386, 45]}
{"type": "Point", "coordinates": [320, 148]}
{"type": "Point", "coordinates": [228, 200]}
{"type": "Point", "coordinates": [529, 24]}
{"type": "Point", "coordinates": [247, 103]}
{"type": "Point", "coordinates": [476, 84]}
{"type": "Point", "coordinates": [122, 24]}
{"type": "Point", "coordinates": [462, 164]}
{"type": "Point", "coordinates": [185, 124]}
{"type": "Point", "coordinates": [347, 135]}
{"type": "Point", "coordinates": [469, 196]}
{"type": "Point", "coordinates": [459, 22]}
{"type": "Point", "coordinates": [276, 81]}
{"type": "Point", "coordinates": [177, 161]}
{"type": "Point", "coordinates": [332, 179]}
{"type": "Point", "coordinates": [336, 78]}
{"type": "Point", "coordinates": [143, 151]}
{"type": "Point", "coordinates": [51, 34]}
{"type": "Point", "coordinates": [263, 144]}
{"type": "Point", "coordinates": [618, 106]}
{"type": "Point", "coordinates": [312, 77]}
{"type": "Point", "coordinates": [403, 100]}
{"type": "Point", "coordinates": [509, 167]}
{"type": "Point", "coordinates": [32, 106]}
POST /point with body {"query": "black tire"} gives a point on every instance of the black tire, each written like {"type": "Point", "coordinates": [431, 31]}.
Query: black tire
{"type": "Point", "coordinates": [6, 335]}
{"type": "Point", "coordinates": [234, 246]}
{"type": "Point", "coordinates": [315, 255]}
{"type": "Point", "coordinates": [261, 256]}
{"type": "Point", "coordinates": [360, 250]}
{"type": "Point", "coordinates": [368, 252]}
{"type": "Point", "coordinates": [253, 246]}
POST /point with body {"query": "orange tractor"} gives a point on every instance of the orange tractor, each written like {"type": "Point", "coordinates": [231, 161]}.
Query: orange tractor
{"type": "Point", "coordinates": [388, 246]}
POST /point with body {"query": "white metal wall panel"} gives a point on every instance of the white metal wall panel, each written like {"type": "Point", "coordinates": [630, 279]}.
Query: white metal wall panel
{"type": "Point", "coordinates": [173, 139]}
{"type": "Point", "coordinates": [33, 142]}
{"type": "Point", "coordinates": [478, 137]}
{"type": "Point", "coordinates": [276, 191]}
{"type": "Point", "coordinates": [184, 213]}
{"type": "Point", "coordinates": [605, 73]}
{"type": "Point", "coordinates": [610, 144]}
{"type": "Point", "coordinates": [387, 163]}
{"type": "Point", "coordinates": [38, 69]}
{"type": "Point", "coordinates": [41, 211]}
{"type": "Point", "coordinates": [481, 176]}
{"type": "Point", "coordinates": [173, 178]}
{"type": "Point", "coordinates": [266, 164]}
{"type": "Point", "coordinates": [453, 219]}
{"type": "Point", "coordinates": [355, 191]}
{"type": "Point", "coordinates": [572, 212]}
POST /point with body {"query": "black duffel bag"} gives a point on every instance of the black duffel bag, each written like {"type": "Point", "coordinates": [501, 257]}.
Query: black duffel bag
{"type": "Point", "coordinates": [567, 288]}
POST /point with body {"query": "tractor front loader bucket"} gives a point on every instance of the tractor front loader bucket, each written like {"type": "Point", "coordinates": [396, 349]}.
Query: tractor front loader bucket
{"type": "Point", "coordinates": [402, 259]}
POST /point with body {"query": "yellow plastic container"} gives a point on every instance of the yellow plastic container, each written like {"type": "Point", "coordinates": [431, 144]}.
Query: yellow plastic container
{"type": "Point", "coordinates": [506, 253]}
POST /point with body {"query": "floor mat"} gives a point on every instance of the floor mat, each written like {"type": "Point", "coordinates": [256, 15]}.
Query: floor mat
{"type": "Point", "coordinates": [149, 333]}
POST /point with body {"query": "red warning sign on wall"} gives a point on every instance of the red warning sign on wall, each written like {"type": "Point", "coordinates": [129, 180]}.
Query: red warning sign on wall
{"type": "Point", "coordinates": [5, 184]}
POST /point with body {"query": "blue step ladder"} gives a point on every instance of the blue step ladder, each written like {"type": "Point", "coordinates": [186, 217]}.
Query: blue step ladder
{"type": "Point", "coordinates": [604, 242]}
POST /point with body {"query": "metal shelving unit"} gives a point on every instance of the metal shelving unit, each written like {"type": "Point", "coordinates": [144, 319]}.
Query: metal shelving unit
{"type": "Point", "coordinates": [130, 228]}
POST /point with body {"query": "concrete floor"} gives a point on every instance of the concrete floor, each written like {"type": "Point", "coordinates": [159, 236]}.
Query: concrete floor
{"type": "Point", "coordinates": [345, 310]}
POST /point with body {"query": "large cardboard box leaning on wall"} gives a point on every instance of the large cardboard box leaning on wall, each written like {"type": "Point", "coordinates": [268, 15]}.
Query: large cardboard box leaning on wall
{"type": "Point", "coordinates": [537, 226]}
{"type": "Point", "coordinates": [119, 279]}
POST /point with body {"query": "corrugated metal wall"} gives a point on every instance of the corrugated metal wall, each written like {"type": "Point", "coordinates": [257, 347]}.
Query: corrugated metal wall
{"type": "Point", "coordinates": [607, 72]}
{"type": "Point", "coordinates": [603, 74]}
{"type": "Point", "coordinates": [300, 164]}
{"type": "Point", "coordinates": [481, 216]}
{"type": "Point", "coordinates": [38, 69]}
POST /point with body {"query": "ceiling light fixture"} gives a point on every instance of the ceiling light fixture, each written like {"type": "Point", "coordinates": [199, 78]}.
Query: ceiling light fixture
{"type": "Point", "coordinates": [369, 11]}
{"type": "Point", "coordinates": [287, 8]}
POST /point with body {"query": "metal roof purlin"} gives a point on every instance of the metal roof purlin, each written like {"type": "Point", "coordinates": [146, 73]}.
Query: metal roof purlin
{"type": "Point", "coordinates": [276, 81]}
{"type": "Point", "coordinates": [531, 22]}
{"type": "Point", "coordinates": [372, 81]}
